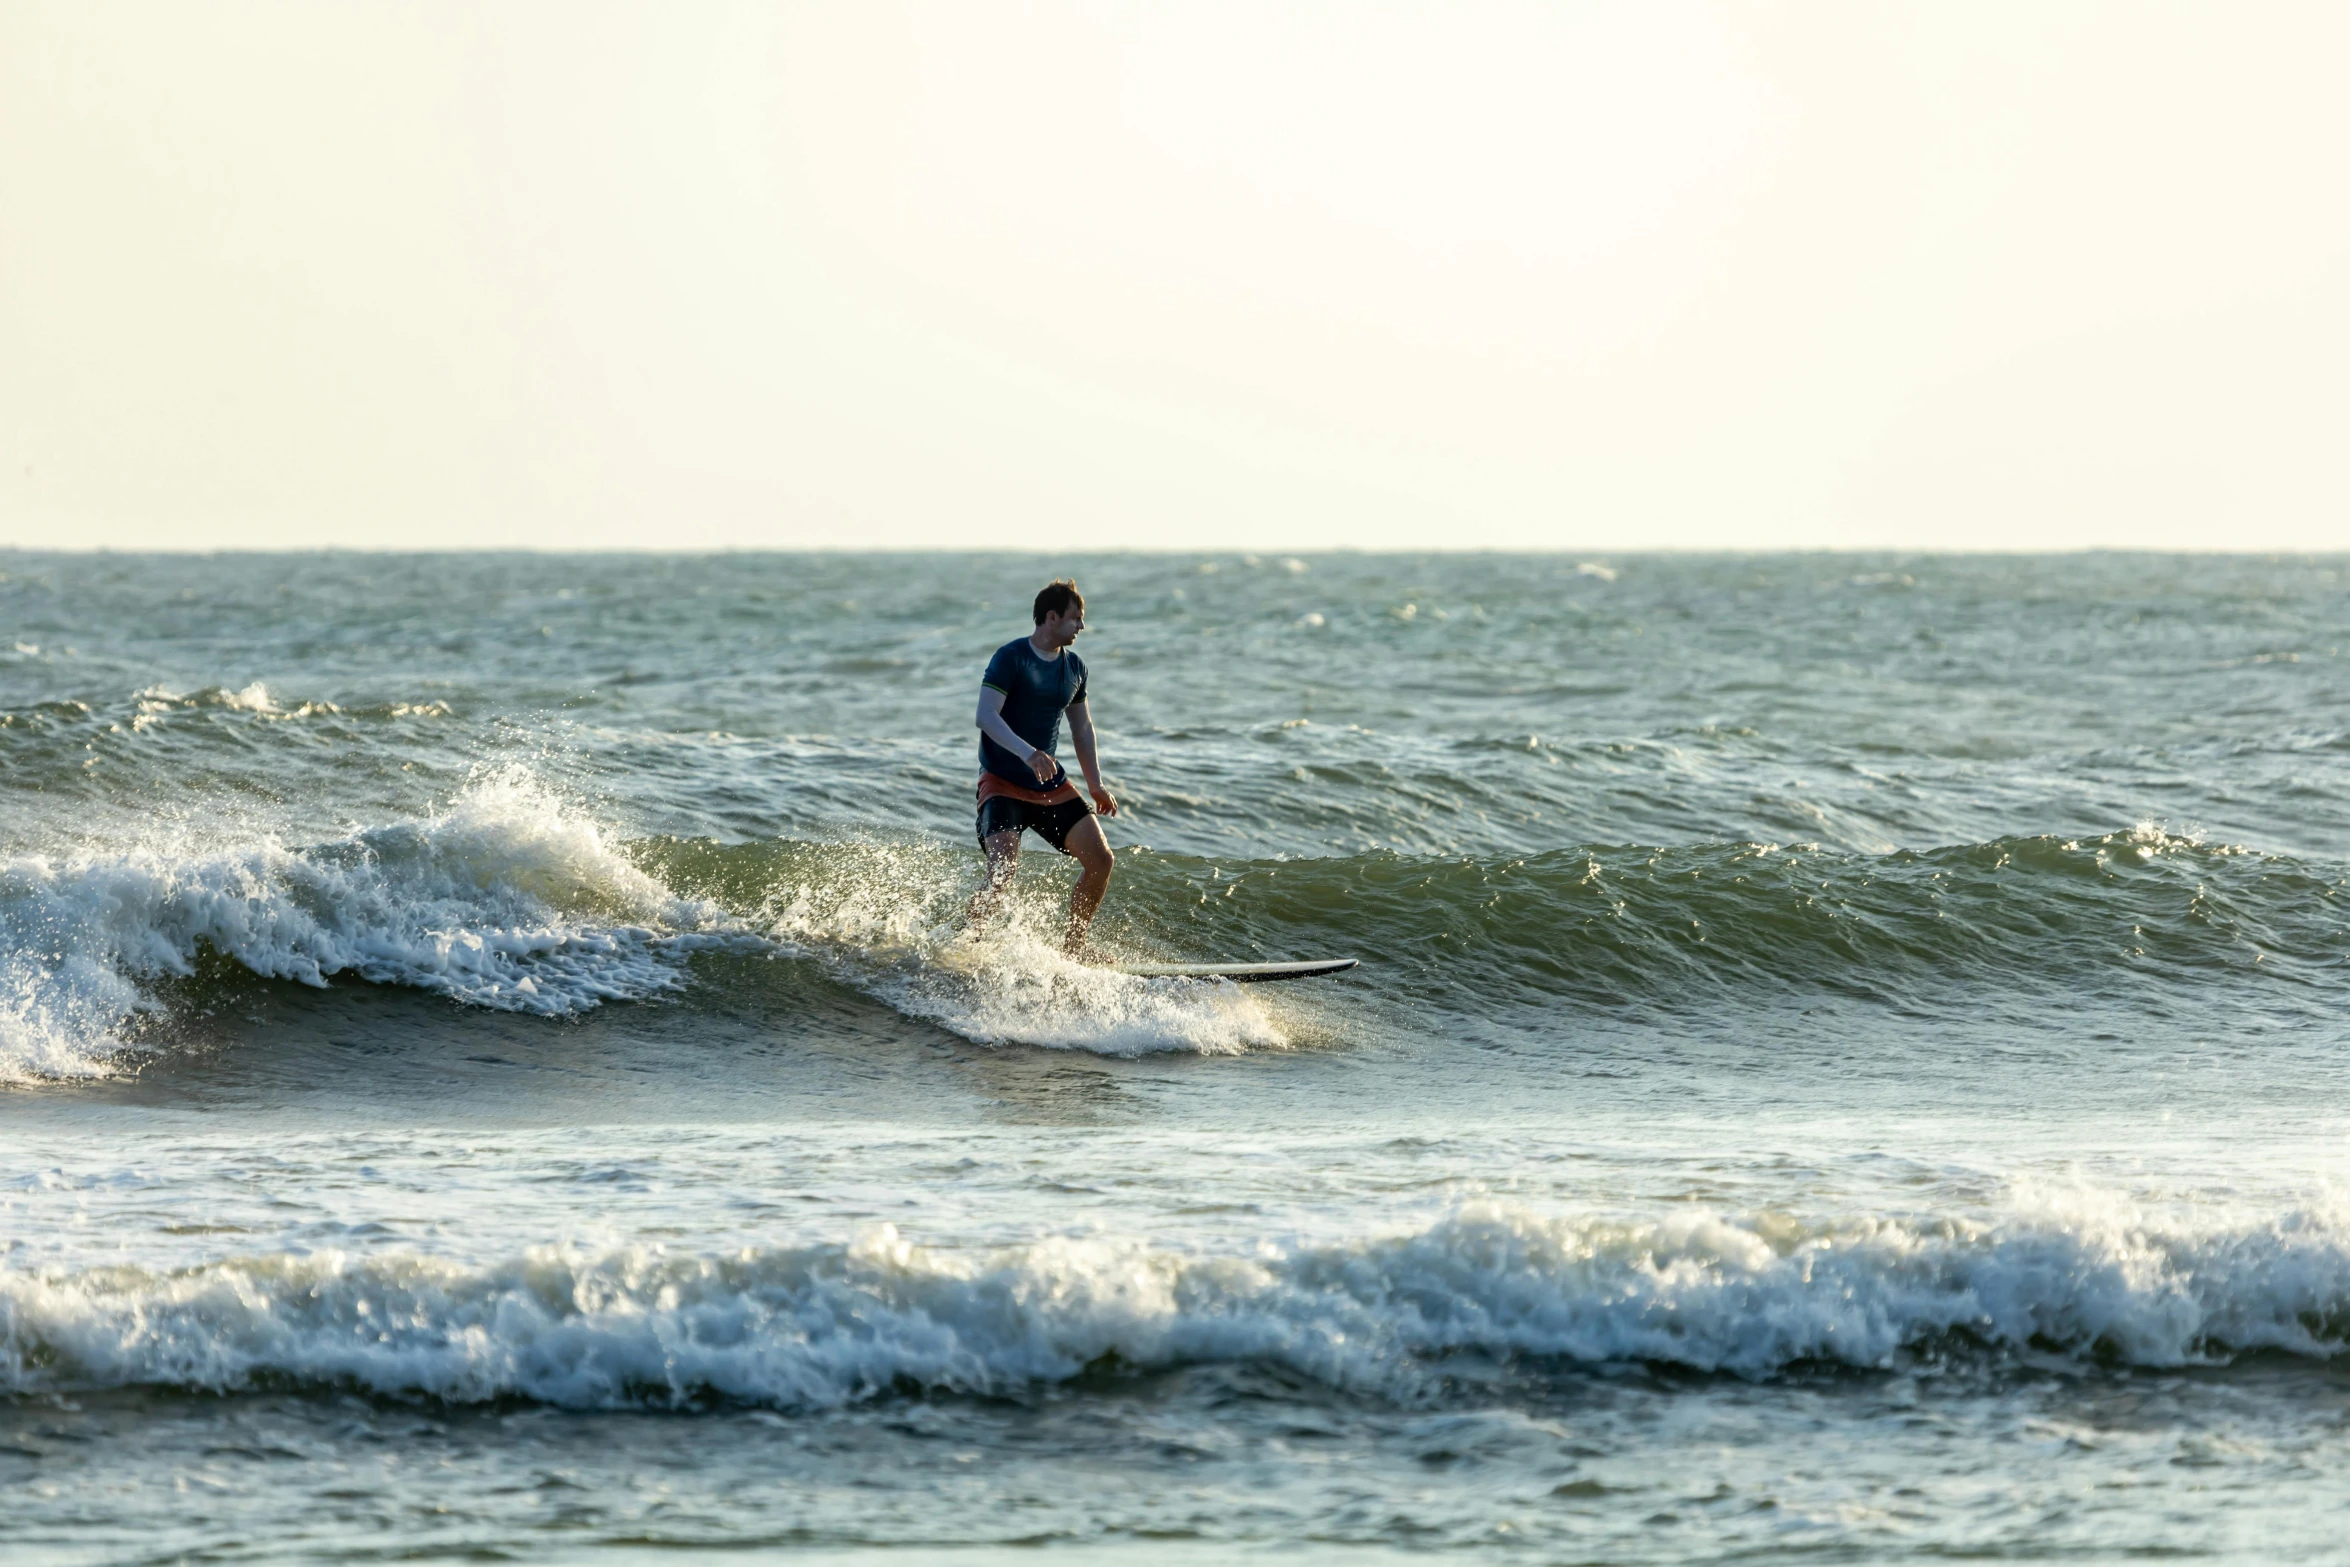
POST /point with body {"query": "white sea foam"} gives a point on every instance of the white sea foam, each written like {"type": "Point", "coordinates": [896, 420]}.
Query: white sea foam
{"type": "Point", "coordinates": [255, 698]}
{"type": "Point", "coordinates": [823, 1326]}
{"type": "Point", "coordinates": [1017, 988]}
{"type": "Point", "coordinates": [508, 899]}
{"type": "Point", "coordinates": [252, 699]}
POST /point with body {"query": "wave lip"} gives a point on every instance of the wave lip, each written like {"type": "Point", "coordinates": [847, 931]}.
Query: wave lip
{"type": "Point", "coordinates": [827, 1326]}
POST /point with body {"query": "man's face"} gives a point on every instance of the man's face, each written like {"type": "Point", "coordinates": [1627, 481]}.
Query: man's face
{"type": "Point", "coordinates": [1060, 628]}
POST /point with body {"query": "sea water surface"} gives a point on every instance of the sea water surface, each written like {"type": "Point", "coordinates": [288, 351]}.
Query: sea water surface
{"type": "Point", "coordinates": [1848, 1062]}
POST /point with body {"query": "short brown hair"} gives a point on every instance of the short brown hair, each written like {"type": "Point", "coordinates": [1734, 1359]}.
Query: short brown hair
{"type": "Point", "coordinates": [1056, 597]}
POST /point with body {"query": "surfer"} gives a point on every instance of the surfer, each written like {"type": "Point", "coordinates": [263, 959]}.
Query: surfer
{"type": "Point", "coordinates": [1029, 684]}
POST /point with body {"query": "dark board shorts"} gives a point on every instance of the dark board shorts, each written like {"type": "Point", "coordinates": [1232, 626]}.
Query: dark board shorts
{"type": "Point", "coordinates": [1052, 823]}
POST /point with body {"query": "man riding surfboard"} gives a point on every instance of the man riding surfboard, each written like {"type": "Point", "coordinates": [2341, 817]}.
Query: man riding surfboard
{"type": "Point", "coordinates": [1030, 682]}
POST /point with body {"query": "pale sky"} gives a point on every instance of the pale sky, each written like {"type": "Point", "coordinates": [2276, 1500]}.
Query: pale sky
{"type": "Point", "coordinates": [1174, 275]}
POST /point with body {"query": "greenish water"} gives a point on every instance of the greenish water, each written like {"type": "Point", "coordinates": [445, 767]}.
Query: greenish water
{"type": "Point", "coordinates": [1848, 1061]}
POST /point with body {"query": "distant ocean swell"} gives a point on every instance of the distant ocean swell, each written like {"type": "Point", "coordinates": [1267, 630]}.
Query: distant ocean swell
{"type": "Point", "coordinates": [1469, 1296]}
{"type": "Point", "coordinates": [515, 899]}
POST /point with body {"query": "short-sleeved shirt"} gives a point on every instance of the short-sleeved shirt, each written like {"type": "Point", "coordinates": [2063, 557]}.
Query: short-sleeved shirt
{"type": "Point", "coordinates": [1037, 691]}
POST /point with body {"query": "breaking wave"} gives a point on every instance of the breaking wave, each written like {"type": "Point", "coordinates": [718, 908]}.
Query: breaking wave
{"type": "Point", "coordinates": [507, 900]}
{"type": "Point", "coordinates": [1470, 1296]}
{"type": "Point", "coordinates": [513, 899]}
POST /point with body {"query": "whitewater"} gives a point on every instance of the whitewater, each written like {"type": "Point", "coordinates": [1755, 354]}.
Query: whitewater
{"type": "Point", "coordinates": [1848, 1060]}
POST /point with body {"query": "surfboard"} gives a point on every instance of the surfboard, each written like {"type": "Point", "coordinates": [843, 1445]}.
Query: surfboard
{"type": "Point", "coordinates": [1239, 973]}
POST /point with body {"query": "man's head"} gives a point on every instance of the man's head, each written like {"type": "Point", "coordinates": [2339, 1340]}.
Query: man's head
{"type": "Point", "coordinates": [1060, 613]}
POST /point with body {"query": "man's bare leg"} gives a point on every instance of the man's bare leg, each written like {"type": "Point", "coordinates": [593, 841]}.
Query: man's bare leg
{"type": "Point", "coordinates": [1003, 858]}
{"type": "Point", "coordinates": [1095, 860]}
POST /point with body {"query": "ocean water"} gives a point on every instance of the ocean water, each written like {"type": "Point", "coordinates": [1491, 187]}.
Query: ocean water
{"type": "Point", "coordinates": [1850, 1062]}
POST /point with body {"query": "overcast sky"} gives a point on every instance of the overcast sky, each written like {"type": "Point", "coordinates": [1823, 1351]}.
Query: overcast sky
{"type": "Point", "coordinates": [1174, 275]}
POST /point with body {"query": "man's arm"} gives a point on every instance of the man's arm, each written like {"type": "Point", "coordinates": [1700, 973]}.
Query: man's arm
{"type": "Point", "coordinates": [992, 725]}
{"type": "Point", "coordinates": [1081, 736]}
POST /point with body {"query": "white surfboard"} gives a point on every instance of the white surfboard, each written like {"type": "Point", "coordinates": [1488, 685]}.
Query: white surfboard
{"type": "Point", "coordinates": [1239, 973]}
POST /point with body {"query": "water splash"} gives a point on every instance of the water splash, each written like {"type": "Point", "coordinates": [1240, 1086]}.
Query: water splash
{"type": "Point", "coordinates": [889, 918]}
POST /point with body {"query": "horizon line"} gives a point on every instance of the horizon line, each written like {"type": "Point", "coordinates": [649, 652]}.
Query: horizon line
{"type": "Point", "coordinates": [2047, 551]}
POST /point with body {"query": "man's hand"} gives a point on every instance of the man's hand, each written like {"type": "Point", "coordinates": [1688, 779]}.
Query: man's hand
{"type": "Point", "coordinates": [1103, 804]}
{"type": "Point", "coordinates": [1042, 764]}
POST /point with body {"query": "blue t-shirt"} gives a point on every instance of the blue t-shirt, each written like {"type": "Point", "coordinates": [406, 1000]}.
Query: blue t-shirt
{"type": "Point", "coordinates": [1037, 691]}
